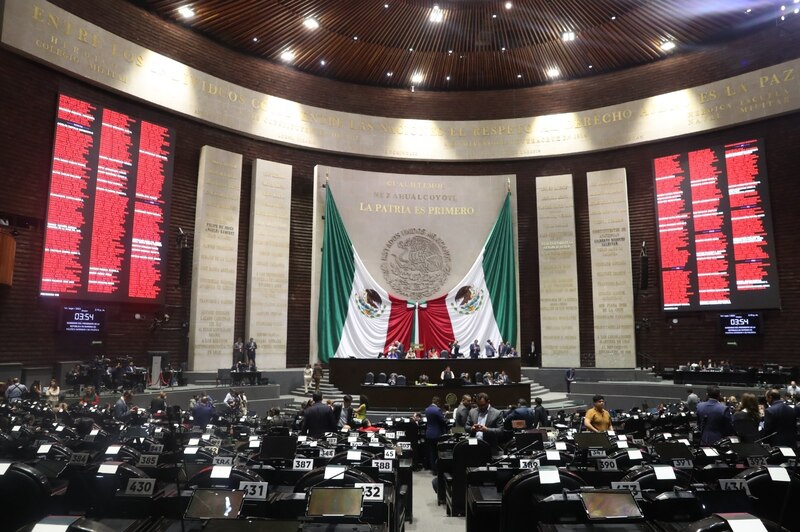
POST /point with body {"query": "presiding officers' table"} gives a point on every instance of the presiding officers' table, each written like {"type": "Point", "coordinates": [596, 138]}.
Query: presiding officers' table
{"type": "Point", "coordinates": [419, 397]}
{"type": "Point", "coordinates": [347, 374]}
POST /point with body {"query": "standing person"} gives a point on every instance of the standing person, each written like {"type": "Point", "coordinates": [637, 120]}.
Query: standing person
{"type": "Point", "coordinates": [251, 347]}
{"type": "Point", "coordinates": [539, 413]}
{"type": "Point", "coordinates": [746, 419]}
{"type": "Point", "coordinates": [436, 427]}
{"type": "Point", "coordinates": [793, 390]}
{"type": "Point", "coordinates": [122, 409]}
{"type": "Point", "coordinates": [692, 400]}
{"type": "Point", "coordinates": [713, 418]}
{"type": "Point", "coordinates": [447, 374]}
{"type": "Point", "coordinates": [159, 403]}
{"type": "Point", "coordinates": [307, 374]}
{"type": "Point", "coordinates": [489, 350]}
{"type": "Point", "coordinates": [53, 393]}
{"type": "Point", "coordinates": [15, 391]}
{"type": "Point", "coordinates": [519, 413]}
{"type": "Point", "coordinates": [202, 412]}
{"type": "Point", "coordinates": [360, 413]}
{"type": "Point", "coordinates": [454, 349]}
{"type": "Point", "coordinates": [474, 350]}
{"type": "Point", "coordinates": [238, 351]}
{"type": "Point", "coordinates": [780, 421]}
{"type": "Point", "coordinates": [343, 413]}
{"type": "Point", "coordinates": [316, 375]}
{"type": "Point", "coordinates": [35, 393]}
{"type": "Point", "coordinates": [569, 378]}
{"type": "Point", "coordinates": [597, 418]}
{"type": "Point", "coordinates": [485, 422]}
{"type": "Point", "coordinates": [318, 418]}
{"type": "Point", "coordinates": [462, 412]}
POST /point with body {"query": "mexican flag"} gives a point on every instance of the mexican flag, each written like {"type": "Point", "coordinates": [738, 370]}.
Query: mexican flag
{"type": "Point", "coordinates": [484, 304]}
{"type": "Point", "coordinates": [358, 318]}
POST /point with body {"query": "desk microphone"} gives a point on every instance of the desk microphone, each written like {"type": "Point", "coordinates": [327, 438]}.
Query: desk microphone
{"type": "Point", "coordinates": [768, 436]}
{"type": "Point", "coordinates": [506, 456]}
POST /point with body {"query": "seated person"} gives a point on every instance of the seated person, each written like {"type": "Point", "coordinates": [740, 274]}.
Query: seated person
{"type": "Point", "coordinates": [422, 380]}
{"type": "Point", "coordinates": [411, 355]}
{"type": "Point", "coordinates": [433, 353]}
{"type": "Point", "coordinates": [488, 378]}
{"type": "Point", "coordinates": [392, 353]}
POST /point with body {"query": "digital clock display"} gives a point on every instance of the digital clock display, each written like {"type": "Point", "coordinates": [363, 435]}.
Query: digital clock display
{"type": "Point", "coordinates": [83, 319]}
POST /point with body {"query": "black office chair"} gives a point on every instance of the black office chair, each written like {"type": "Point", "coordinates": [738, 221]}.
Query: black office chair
{"type": "Point", "coordinates": [716, 523]}
{"type": "Point", "coordinates": [770, 496]}
{"type": "Point", "coordinates": [25, 493]}
{"type": "Point", "coordinates": [465, 454]}
{"type": "Point", "coordinates": [478, 377]}
{"type": "Point", "coordinates": [645, 475]}
{"type": "Point", "coordinates": [523, 493]}
{"type": "Point", "coordinates": [369, 378]}
{"type": "Point", "coordinates": [401, 380]}
{"type": "Point", "coordinates": [381, 378]}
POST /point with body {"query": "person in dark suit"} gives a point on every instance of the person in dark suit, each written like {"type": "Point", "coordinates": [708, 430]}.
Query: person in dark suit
{"type": "Point", "coordinates": [780, 421]}
{"type": "Point", "coordinates": [746, 419]}
{"type": "Point", "coordinates": [520, 413]}
{"type": "Point", "coordinates": [714, 418]}
{"type": "Point", "coordinates": [462, 412]}
{"type": "Point", "coordinates": [318, 418]}
{"type": "Point", "coordinates": [474, 349]}
{"type": "Point", "coordinates": [485, 422]}
{"type": "Point", "coordinates": [454, 349]}
{"type": "Point", "coordinates": [436, 427]}
{"type": "Point", "coordinates": [569, 378]}
{"type": "Point", "coordinates": [159, 403]}
{"type": "Point", "coordinates": [343, 412]}
{"type": "Point", "coordinates": [539, 413]}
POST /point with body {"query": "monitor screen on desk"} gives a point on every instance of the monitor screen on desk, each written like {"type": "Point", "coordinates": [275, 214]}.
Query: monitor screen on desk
{"type": "Point", "coordinates": [215, 504]}
{"type": "Point", "coordinates": [747, 450]}
{"type": "Point", "coordinates": [601, 505]}
{"type": "Point", "coordinates": [673, 451]}
{"type": "Point", "coordinates": [283, 447]}
{"type": "Point", "coordinates": [335, 502]}
{"type": "Point", "coordinates": [589, 440]}
{"type": "Point", "coordinates": [530, 440]}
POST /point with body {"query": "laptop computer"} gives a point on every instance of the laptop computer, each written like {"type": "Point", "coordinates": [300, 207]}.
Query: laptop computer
{"type": "Point", "coordinates": [214, 504]}
{"type": "Point", "coordinates": [278, 447]}
{"type": "Point", "coordinates": [592, 440]}
{"type": "Point", "coordinates": [335, 502]}
{"type": "Point", "coordinates": [610, 505]}
{"type": "Point", "coordinates": [673, 451]}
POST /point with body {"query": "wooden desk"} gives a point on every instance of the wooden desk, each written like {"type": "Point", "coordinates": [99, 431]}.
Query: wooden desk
{"type": "Point", "coordinates": [419, 397]}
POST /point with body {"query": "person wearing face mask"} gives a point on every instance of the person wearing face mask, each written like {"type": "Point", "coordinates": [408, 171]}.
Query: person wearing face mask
{"type": "Point", "coordinates": [485, 422]}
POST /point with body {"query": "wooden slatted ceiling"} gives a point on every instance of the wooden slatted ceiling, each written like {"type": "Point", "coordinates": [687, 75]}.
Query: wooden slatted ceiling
{"type": "Point", "coordinates": [468, 44]}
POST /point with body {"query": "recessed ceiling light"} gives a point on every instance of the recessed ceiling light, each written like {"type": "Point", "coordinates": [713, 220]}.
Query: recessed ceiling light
{"type": "Point", "coordinates": [311, 23]}
{"type": "Point", "coordinates": [447, 78]}
{"type": "Point", "coordinates": [519, 76]}
{"type": "Point", "coordinates": [509, 5]}
{"type": "Point", "coordinates": [749, 10]}
{"type": "Point", "coordinates": [322, 62]}
{"type": "Point", "coordinates": [386, 6]}
{"type": "Point", "coordinates": [437, 15]}
{"type": "Point", "coordinates": [494, 15]}
{"type": "Point", "coordinates": [503, 48]}
{"type": "Point", "coordinates": [416, 78]}
{"type": "Point", "coordinates": [255, 39]}
{"type": "Point", "coordinates": [186, 11]}
{"type": "Point", "coordinates": [613, 17]}
{"type": "Point", "coordinates": [389, 74]}
{"type": "Point", "coordinates": [287, 56]}
{"type": "Point", "coordinates": [355, 37]}
{"type": "Point", "coordinates": [410, 49]}
{"type": "Point", "coordinates": [553, 72]}
{"type": "Point", "coordinates": [667, 46]}
{"type": "Point", "coordinates": [591, 66]}
{"type": "Point", "coordinates": [449, 51]}
{"type": "Point", "coordinates": [568, 36]}
{"type": "Point", "coordinates": [783, 8]}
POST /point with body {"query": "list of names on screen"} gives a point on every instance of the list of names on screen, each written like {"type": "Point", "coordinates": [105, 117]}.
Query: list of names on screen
{"type": "Point", "coordinates": [715, 230]}
{"type": "Point", "coordinates": [107, 211]}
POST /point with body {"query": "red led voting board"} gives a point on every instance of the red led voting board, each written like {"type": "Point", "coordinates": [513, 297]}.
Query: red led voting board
{"type": "Point", "coordinates": [715, 237]}
{"type": "Point", "coordinates": [107, 211]}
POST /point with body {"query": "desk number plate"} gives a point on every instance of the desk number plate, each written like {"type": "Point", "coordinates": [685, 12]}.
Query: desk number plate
{"type": "Point", "coordinates": [254, 490]}
{"type": "Point", "coordinates": [141, 487]}
{"type": "Point", "coordinates": [303, 464]}
{"type": "Point", "coordinates": [147, 460]}
{"type": "Point", "coordinates": [372, 491]}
